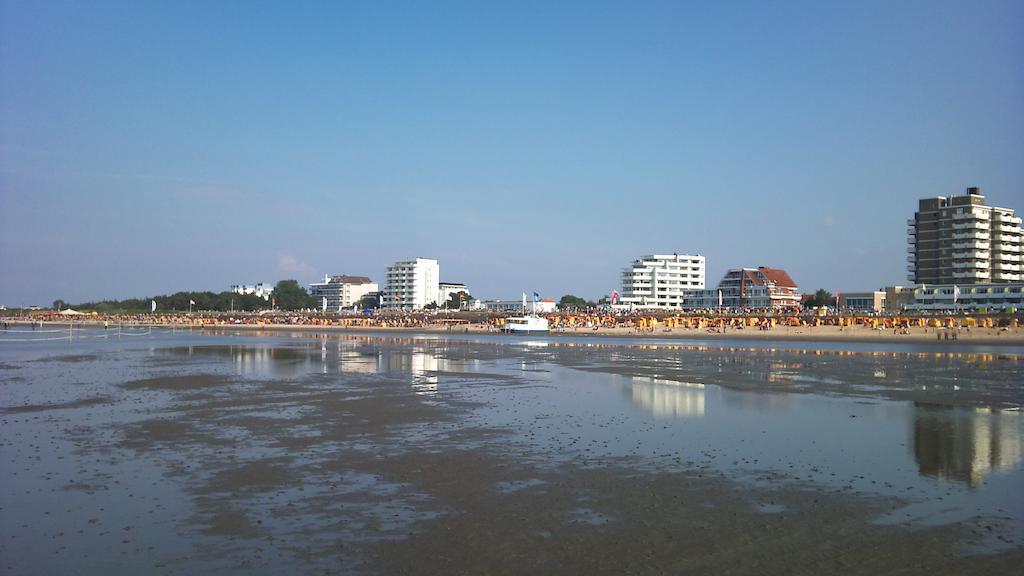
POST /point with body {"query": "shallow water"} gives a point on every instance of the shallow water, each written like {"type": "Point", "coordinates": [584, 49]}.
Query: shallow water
{"type": "Point", "coordinates": [199, 451]}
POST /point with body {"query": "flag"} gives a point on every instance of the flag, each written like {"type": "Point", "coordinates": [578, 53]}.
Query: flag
{"type": "Point", "coordinates": [615, 297]}
{"type": "Point", "coordinates": [524, 301]}
{"type": "Point", "coordinates": [380, 299]}
{"type": "Point", "coordinates": [192, 302]}
{"type": "Point", "coordinates": [273, 301]}
{"type": "Point", "coordinates": [956, 293]}
{"type": "Point", "coordinates": [837, 299]}
{"type": "Point", "coordinates": [720, 299]}
{"type": "Point", "coordinates": [152, 305]}
{"type": "Point", "coordinates": [536, 297]}
{"type": "Point", "coordinates": [325, 303]}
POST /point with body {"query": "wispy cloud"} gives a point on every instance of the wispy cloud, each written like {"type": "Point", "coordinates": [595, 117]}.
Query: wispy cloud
{"type": "Point", "coordinates": [289, 264]}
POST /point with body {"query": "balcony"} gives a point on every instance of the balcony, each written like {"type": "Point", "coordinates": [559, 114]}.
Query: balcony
{"type": "Point", "coordinates": [911, 278]}
{"type": "Point", "coordinates": [1005, 218]}
{"type": "Point", "coordinates": [973, 245]}
{"type": "Point", "coordinates": [977, 264]}
{"type": "Point", "coordinates": [911, 267]}
{"type": "Point", "coordinates": [912, 231]}
{"type": "Point", "coordinates": [911, 258]}
{"type": "Point", "coordinates": [1007, 277]}
{"type": "Point", "coordinates": [1013, 230]}
{"type": "Point", "coordinates": [910, 249]}
{"type": "Point", "coordinates": [971, 215]}
{"type": "Point", "coordinates": [972, 255]}
{"type": "Point", "coordinates": [1005, 238]}
{"type": "Point", "coordinates": [911, 222]}
{"type": "Point", "coordinates": [971, 225]}
{"type": "Point", "coordinates": [971, 275]}
{"type": "Point", "coordinates": [969, 236]}
{"type": "Point", "coordinates": [1006, 267]}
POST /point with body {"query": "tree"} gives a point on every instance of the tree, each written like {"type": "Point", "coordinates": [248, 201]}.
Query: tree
{"type": "Point", "coordinates": [291, 296]}
{"type": "Point", "coordinates": [59, 304]}
{"type": "Point", "coordinates": [456, 299]}
{"type": "Point", "coordinates": [570, 301]}
{"type": "Point", "coordinates": [821, 297]}
{"type": "Point", "coordinates": [369, 302]}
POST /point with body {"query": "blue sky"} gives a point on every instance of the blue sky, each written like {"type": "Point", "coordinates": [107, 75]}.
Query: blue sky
{"type": "Point", "coordinates": [151, 147]}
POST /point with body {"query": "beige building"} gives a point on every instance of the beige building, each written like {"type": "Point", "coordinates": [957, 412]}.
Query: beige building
{"type": "Point", "coordinates": [898, 297]}
{"type": "Point", "coordinates": [960, 240]}
{"type": "Point", "coordinates": [863, 301]}
{"type": "Point", "coordinates": [340, 292]}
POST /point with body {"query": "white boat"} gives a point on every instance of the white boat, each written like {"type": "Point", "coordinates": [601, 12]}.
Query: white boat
{"type": "Point", "coordinates": [525, 325]}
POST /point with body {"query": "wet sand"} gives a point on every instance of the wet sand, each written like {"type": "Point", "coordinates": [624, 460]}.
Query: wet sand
{"type": "Point", "coordinates": [391, 456]}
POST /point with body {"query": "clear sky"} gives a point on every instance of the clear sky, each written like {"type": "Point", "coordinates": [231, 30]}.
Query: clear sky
{"type": "Point", "coordinates": [152, 147]}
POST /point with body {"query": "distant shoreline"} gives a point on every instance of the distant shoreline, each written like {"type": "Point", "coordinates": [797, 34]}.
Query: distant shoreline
{"type": "Point", "coordinates": [853, 334]}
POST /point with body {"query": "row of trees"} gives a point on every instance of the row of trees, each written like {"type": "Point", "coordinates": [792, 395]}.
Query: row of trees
{"type": "Point", "coordinates": [287, 294]}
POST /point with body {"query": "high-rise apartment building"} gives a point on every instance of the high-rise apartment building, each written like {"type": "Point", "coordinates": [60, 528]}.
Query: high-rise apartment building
{"type": "Point", "coordinates": [960, 240]}
{"type": "Point", "coordinates": [662, 280]}
{"type": "Point", "coordinates": [412, 284]}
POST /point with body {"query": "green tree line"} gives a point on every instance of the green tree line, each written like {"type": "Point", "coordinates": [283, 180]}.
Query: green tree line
{"type": "Point", "coordinates": [288, 294]}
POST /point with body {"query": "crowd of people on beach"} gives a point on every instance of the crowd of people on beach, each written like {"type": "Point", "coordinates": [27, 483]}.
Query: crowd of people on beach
{"type": "Point", "coordinates": [709, 322]}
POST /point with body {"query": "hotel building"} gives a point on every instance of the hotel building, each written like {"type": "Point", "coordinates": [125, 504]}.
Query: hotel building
{"type": "Point", "coordinates": [758, 288]}
{"type": "Point", "coordinates": [662, 280]}
{"type": "Point", "coordinates": [412, 284]}
{"type": "Point", "coordinates": [342, 291]}
{"type": "Point", "coordinates": [960, 240]}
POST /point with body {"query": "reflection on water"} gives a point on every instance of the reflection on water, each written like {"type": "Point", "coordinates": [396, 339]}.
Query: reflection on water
{"type": "Point", "coordinates": [334, 356]}
{"type": "Point", "coordinates": [966, 444]}
{"type": "Point", "coordinates": [667, 398]}
{"type": "Point", "coordinates": [421, 364]}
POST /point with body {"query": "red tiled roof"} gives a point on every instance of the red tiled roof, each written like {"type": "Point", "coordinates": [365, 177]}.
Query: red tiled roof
{"type": "Point", "coordinates": [778, 276]}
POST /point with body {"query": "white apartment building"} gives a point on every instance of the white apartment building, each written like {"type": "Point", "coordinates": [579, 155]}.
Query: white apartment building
{"type": "Point", "coordinates": [661, 280]}
{"type": "Point", "coordinates": [412, 284]}
{"type": "Point", "coordinates": [342, 291]}
{"type": "Point", "coordinates": [263, 290]}
{"type": "Point", "coordinates": [446, 289]}
{"type": "Point", "coordinates": [960, 240]}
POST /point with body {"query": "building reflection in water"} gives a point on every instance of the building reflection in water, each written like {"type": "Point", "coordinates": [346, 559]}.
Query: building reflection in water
{"type": "Point", "coordinates": [420, 363]}
{"type": "Point", "coordinates": [966, 444]}
{"type": "Point", "coordinates": [668, 398]}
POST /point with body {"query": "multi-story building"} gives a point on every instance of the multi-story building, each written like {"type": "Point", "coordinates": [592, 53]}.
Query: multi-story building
{"type": "Point", "coordinates": [446, 289]}
{"type": "Point", "coordinates": [412, 284]}
{"type": "Point", "coordinates": [960, 240]}
{"type": "Point", "coordinates": [758, 288]}
{"type": "Point", "coordinates": [263, 290]}
{"type": "Point", "coordinates": [342, 291]}
{"type": "Point", "coordinates": [662, 280]}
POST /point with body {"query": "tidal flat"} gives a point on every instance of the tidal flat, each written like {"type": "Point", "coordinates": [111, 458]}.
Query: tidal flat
{"type": "Point", "coordinates": [214, 452]}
